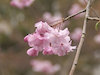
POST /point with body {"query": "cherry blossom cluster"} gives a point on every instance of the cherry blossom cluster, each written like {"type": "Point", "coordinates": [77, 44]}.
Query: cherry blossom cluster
{"type": "Point", "coordinates": [49, 41]}
{"type": "Point", "coordinates": [44, 66]}
{"type": "Point", "coordinates": [21, 3]}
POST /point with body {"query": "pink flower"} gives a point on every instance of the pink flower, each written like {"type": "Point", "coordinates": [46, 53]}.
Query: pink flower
{"type": "Point", "coordinates": [48, 50]}
{"type": "Point", "coordinates": [32, 52]}
{"type": "Point", "coordinates": [49, 40]}
{"type": "Point", "coordinates": [97, 38]}
{"type": "Point", "coordinates": [56, 17]}
{"type": "Point", "coordinates": [36, 41]}
{"type": "Point", "coordinates": [74, 9]}
{"type": "Point", "coordinates": [44, 66]}
{"type": "Point", "coordinates": [60, 42]}
{"type": "Point", "coordinates": [48, 17]}
{"type": "Point", "coordinates": [76, 35]}
{"type": "Point", "coordinates": [21, 3]}
{"type": "Point", "coordinates": [42, 27]}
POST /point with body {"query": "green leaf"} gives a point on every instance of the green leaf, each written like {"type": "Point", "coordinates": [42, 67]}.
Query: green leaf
{"type": "Point", "coordinates": [96, 26]}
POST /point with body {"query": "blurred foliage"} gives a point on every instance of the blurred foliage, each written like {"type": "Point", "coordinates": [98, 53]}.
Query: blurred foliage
{"type": "Point", "coordinates": [16, 23]}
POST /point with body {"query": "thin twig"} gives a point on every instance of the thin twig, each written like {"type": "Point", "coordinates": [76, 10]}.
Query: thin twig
{"type": "Point", "coordinates": [92, 10]}
{"type": "Point", "coordinates": [94, 18]}
{"type": "Point", "coordinates": [69, 17]}
{"type": "Point", "coordinates": [81, 40]}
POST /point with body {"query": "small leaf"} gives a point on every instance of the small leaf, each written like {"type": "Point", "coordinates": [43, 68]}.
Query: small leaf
{"type": "Point", "coordinates": [96, 26]}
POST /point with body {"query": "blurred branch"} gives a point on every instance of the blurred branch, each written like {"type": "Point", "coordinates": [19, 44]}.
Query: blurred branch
{"type": "Point", "coordinates": [67, 18]}
{"type": "Point", "coordinates": [81, 40]}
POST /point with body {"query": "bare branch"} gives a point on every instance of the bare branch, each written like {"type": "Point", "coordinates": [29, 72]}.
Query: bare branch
{"type": "Point", "coordinates": [94, 18]}
{"type": "Point", "coordinates": [67, 18]}
{"type": "Point", "coordinates": [81, 40]}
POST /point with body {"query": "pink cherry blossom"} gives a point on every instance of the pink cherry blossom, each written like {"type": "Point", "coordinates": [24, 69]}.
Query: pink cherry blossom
{"type": "Point", "coordinates": [48, 17]}
{"type": "Point", "coordinates": [97, 38]}
{"type": "Point", "coordinates": [49, 41]}
{"type": "Point", "coordinates": [74, 9]}
{"type": "Point", "coordinates": [32, 52]}
{"type": "Point", "coordinates": [44, 66]}
{"type": "Point", "coordinates": [36, 41]}
{"type": "Point", "coordinates": [60, 42]}
{"type": "Point", "coordinates": [42, 27]}
{"type": "Point", "coordinates": [21, 3]}
{"type": "Point", "coordinates": [76, 34]}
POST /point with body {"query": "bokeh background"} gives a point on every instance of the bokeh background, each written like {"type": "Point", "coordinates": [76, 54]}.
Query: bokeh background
{"type": "Point", "coordinates": [16, 23]}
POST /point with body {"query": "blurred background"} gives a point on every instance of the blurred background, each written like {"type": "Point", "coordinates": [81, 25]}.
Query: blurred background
{"type": "Point", "coordinates": [16, 23]}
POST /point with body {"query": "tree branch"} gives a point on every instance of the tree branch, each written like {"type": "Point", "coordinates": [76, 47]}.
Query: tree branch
{"type": "Point", "coordinates": [81, 40]}
{"type": "Point", "coordinates": [94, 18]}
{"type": "Point", "coordinates": [67, 18]}
{"type": "Point", "coordinates": [71, 16]}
